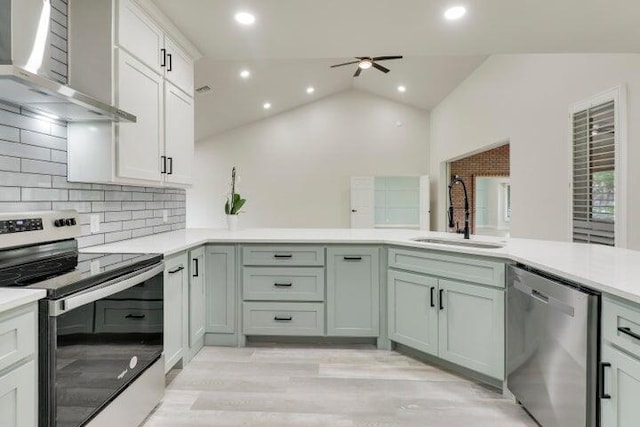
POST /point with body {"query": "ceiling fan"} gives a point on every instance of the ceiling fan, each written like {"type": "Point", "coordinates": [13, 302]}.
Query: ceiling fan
{"type": "Point", "coordinates": [366, 62]}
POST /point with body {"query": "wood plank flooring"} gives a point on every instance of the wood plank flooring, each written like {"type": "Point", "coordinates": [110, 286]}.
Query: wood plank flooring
{"type": "Point", "coordinates": [312, 387]}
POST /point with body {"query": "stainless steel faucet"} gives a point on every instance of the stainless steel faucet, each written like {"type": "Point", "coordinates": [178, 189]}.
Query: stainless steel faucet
{"type": "Point", "coordinates": [457, 180]}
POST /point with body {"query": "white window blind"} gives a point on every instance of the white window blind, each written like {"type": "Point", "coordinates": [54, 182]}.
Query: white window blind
{"type": "Point", "coordinates": [594, 164]}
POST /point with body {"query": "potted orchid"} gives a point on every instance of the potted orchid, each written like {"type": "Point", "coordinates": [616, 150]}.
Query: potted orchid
{"type": "Point", "coordinates": [234, 204]}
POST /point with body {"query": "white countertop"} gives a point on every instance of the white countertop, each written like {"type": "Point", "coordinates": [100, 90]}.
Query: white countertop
{"type": "Point", "coordinates": [12, 298]}
{"type": "Point", "coordinates": [610, 270]}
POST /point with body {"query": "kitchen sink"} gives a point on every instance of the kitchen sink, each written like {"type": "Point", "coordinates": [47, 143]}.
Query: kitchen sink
{"type": "Point", "coordinates": [460, 242]}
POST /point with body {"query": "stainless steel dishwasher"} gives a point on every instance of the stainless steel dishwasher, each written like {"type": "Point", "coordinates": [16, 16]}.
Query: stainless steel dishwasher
{"type": "Point", "coordinates": [552, 348]}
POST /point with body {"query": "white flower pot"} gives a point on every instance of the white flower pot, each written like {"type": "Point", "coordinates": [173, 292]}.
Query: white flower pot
{"type": "Point", "coordinates": [232, 222]}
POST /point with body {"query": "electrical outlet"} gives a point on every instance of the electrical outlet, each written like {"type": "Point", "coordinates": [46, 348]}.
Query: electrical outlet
{"type": "Point", "coordinates": [165, 215]}
{"type": "Point", "coordinates": [95, 223]}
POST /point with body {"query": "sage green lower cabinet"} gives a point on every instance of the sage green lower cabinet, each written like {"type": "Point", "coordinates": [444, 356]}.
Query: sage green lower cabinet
{"type": "Point", "coordinates": [221, 289]}
{"type": "Point", "coordinates": [303, 319]}
{"type": "Point", "coordinates": [622, 383]}
{"type": "Point", "coordinates": [175, 309]}
{"type": "Point", "coordinates": [412, 311]}
{"type": "Point", "coordinates": [18, 406]}
{"type": "Point", "coordinates": [353, 292]}
{"type": "Point", "coordinates": [18, 367]}
{"type": "Point", "coordinates": [197, 280]}
{"type": "Point", "coordinates": [471, 327]}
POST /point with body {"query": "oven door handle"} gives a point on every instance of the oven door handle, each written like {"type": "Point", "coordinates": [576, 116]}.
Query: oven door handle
{"type": "Point", "coordinates": [56, 308]}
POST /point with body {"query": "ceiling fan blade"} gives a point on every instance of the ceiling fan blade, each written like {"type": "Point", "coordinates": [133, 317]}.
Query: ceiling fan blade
{"type": "Point", "coordinates": [380, 67]}
{"type": "Point", "coordinates": [386, 58]}
{"type": "Point", "coordinates": [358, 71]}
{"type": "Point", "coordinates": [346, 63]}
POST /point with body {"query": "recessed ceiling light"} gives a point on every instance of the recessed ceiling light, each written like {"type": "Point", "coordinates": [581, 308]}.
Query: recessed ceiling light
{"type": "Point", "coordinates": [245, 74]}
{"type": "Point", "coordinates": [365, 64]}
{"type": "Point", "coordinates": [455, 12]}
{"type": "Point", "coordinates": [310, 90]}
{"type": "Point", "coordinates": [402, 89]}
{"type": "Point", "coordinates": [245, 18]}
{"type": "Point", "coordinates": [267, 105]}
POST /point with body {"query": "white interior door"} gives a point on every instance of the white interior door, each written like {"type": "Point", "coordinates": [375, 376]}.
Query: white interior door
{"type": "Point", "coordinates": [362, 202]}
{"type": "Point", "coordinates": [425, 203]}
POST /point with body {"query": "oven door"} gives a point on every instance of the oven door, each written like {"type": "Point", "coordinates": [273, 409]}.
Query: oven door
{"type": "Point", "coordinates": [99, 341]}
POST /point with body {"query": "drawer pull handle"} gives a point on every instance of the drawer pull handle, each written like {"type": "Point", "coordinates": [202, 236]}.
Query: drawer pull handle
{"type": "Point", "coordinates": [135, 316]}
{"type": "Point", "coordinates": [352, 258]}
{"type": "Point", "coordinates": [627, 331]}
{"type": "Point", "coordinates": [283, 318]}
{"type": "Point", "coordinates": [441, 299]}
{"type": "Point", "coordinates": [174, 271]}
{"type": "Point", "coordinates": [603, 366]}
{"type": "Point", "coordinates": [433, 293]}
{"type": "Point", "coordinates": [281, 256]}
{"type": "Point", "coordinates": [283, 285]}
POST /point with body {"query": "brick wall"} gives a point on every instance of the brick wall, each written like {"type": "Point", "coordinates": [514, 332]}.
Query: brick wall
{"type": "Point", "coordinates": [494, 162]}
{"type": "Point", "coordinates": [33, 177]}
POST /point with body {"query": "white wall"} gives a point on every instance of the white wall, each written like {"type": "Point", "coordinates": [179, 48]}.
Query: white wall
{"type": "Point", "coordinates": [525, 99]}
{"type": "Point", "coordinates": [295, 167]}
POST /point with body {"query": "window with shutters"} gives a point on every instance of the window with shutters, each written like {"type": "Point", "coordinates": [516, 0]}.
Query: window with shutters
{"type": "Point", "coordinates": [596, 195]}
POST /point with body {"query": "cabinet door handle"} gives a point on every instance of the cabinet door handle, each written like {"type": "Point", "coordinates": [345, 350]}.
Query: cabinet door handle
{"type": "Point", "coordinates": [163, 60]}
{"type": "Point", "coordinates": [603, 366]}
{"type": "Point", "coordinates": [628, 331]}
{"type": "Point", "coordinates": [281, 256]}
{"type": "Point", "coordinates": [135, 316]}
{"type": "Point", "coordinates": [175, 270]}
{"type": "Point", "coordinates": [441, 299]}
{"type": "Point", "coordinates": [170, 57]}
{"type": "Point", "coordinates": [352, 258]}
{"type": "Point", "coordinates": [163, 162]}
{"type": "Point", "coordinates": [283, 318]}
{"type": "Point", "coordinates": [170, 166]}
{"type": "Point", "coordinates": [196, 267]}
{"type": "Point", "coordinates": [433, 296]}
{"type": "Point", "coordinates": [283, 285]}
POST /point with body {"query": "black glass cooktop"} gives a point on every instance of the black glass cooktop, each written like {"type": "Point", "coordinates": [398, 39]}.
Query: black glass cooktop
{"type": "Point", "coordinates": [62, 270]}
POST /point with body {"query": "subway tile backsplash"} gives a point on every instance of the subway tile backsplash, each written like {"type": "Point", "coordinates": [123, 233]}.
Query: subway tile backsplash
{"type": "Point", "coordinates": [33, 169]}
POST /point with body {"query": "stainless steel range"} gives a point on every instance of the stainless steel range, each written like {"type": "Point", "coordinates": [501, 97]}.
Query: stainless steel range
{"type": "Point", "coordinates": [100, 326]}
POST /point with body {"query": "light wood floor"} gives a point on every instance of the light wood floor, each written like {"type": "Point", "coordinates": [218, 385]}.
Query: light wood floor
{"type": "Point", "coordinates": [304, 387]}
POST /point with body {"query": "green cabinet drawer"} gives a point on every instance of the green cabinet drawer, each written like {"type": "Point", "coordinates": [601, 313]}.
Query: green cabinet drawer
{"type": "Point", "coordinates": [456, 267]}
{"type": "Point", "coordinates": [283, 255]}
{"type": "Point", "coordinates": [621, 325]}
{"type": "Point", "coordinates": [277, 318]}
{"type": "Point", "coordinates": [18, 335]}
{"type": "Point", "coordinates": [283, 283]}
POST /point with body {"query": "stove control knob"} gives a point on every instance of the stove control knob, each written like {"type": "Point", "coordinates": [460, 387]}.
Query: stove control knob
{"type": "Point", "coordinates": [70, 221]}
{"type": "Point", "coordinates": [58, 223]}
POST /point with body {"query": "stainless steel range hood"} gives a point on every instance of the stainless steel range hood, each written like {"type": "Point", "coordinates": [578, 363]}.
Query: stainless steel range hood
{"type": "Point", "coordinates": [28, 58]}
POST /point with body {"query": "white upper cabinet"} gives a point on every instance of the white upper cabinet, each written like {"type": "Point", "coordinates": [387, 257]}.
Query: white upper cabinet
{"type": "Point", "coordinates": [139, 35]}
{"type": "Point", "coordinates": [123, 55]}
{"type": "Point", "coordinates": [140, 91]}
{"type": "Point", "coordinates": [178, 67]}
{"type": "Point", "coordinates": [179, 136]}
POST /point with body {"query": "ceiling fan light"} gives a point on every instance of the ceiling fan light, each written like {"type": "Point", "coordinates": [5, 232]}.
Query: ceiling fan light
{"type": "Point", "coordinates": [365, 64]}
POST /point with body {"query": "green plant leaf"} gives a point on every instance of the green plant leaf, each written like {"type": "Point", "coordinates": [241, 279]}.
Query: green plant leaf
{"type": "Point", "coordinates": [227, 208]}
{"type": "Point", "coordinates": [238, 205]}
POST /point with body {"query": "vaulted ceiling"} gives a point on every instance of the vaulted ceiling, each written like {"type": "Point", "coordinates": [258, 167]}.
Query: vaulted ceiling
{"type": "Point", "coordinates": [293, 42]}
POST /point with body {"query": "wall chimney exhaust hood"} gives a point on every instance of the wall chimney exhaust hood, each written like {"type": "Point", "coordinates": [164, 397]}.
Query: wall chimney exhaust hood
{"type": "Point", "coordinates": [26, 64]}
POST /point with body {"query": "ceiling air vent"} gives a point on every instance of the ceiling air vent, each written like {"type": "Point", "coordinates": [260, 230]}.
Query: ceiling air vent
{"type": "Point", "coordinates": [202, 90]}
